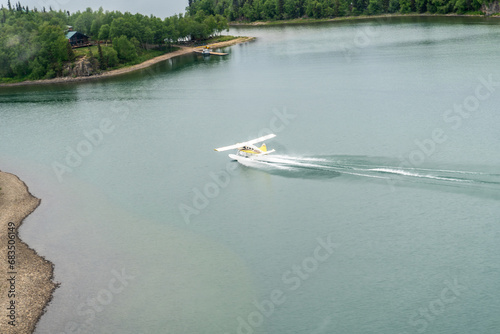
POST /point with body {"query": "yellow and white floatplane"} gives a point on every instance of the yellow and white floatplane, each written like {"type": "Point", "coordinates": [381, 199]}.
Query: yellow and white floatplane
{"type": "Point", "coordinates": [247, 149]}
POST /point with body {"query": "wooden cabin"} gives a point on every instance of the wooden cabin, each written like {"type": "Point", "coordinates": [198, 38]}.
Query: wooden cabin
{"type": "Point", "coordinates": [77, 39]}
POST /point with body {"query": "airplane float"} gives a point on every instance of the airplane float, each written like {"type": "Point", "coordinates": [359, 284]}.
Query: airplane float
{"type": "Point", "coordinates": [248, 150]}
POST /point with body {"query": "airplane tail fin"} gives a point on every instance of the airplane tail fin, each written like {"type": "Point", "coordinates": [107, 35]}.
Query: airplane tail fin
{"type": "Point", "coordinates": [263, 148]}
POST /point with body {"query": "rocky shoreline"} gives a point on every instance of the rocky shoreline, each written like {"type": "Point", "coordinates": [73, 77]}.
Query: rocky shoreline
{"type": "Point", "coordinates": [27, 279]}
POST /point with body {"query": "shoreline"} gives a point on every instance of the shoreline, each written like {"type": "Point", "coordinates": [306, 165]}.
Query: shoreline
{"type": "Point", "coordinates": [348, 18]}
{"type": "Point", "coordinates": [28, 280]}
{"type": "Point", "coordinates": [108, 74]}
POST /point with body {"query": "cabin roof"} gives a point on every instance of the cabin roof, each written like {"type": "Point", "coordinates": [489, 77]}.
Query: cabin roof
{"type": "Point", "coordinates": [70, 34]}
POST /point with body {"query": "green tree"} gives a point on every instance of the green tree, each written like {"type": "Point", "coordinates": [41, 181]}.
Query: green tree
{"type": "Point", "coordinates": [69, 51]}
{"type": "Point", "coordinates": [339, 8]}
{"type": "Point", "coordinates": [102, 62]}
{"type": "Point", "coordinates": [197, 30]}
{"type": "Point", "coordinates": [148, 36]}
{"type": "Point", "coordinates": [375, 7]}
{"type": "Point", "coordinates": [172, 34]}
{"type": "Point", "coordinates": [53, 49]}
{"type": "Point", "coordinates": [221, 24]}
{"type": "Point", "coordinates": [269, 9]}
{"type": "Point", "coordinates": [314, 9]}
{"type": "Point", "coordinates": [38, 71]}
{"type": "Point", "coordinates": [159, 30]}
{"type": "Point", "coordinates": [124, 48]}
{"type": "Point", "coordinates": [290, 9]}
{"type": "Point", "coordinates": [248, 12]}
{"type": "Point", "coordinates": [210, 24]}
{"type": "Point", "coordinates": [95, 27]}
{"type": "Point", "coordinates": [110, 57]}
{"type": "Point", "coordinates": [405, 6]}
{"type": "Point", "coordinates": [5, 70]}
{"type": "Point", "coordinates": [394, 6]}
{"type": "Point", "coordinates": [83, 22]}
{"type": "Point", "coordinates": [104, 33]}
{"type": "Point", "coordinates": [460, 6]}
{"type": "Point", "coordinates": [440, 6]}
{"type": "Point", "coordinates": [279, 9]}
{"type": "Point", "coordinates": [420, 6]}
{"type": "Point", "coordinates": [122, 27]}
{"type": "Point", "coordinates": [136, 43]}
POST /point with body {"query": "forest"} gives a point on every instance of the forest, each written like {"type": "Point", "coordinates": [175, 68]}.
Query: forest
{"type": "Point", "coordinates": [256, 10]}
{"type": "Point", "coordinates": [33, 43]}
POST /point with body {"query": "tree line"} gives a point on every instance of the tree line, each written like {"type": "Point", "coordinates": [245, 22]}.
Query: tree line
{"type": "Point", "coordinates": [255, 10]}
{"type": "Point", "coordinates": [33, 44]}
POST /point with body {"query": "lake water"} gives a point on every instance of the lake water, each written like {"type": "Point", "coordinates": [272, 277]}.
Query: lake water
{"type": "Point", "coordinates": [379, 212]}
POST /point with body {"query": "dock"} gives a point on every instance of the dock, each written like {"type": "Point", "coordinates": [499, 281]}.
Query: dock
{"type": "Point", "coordinates": [200, 51]}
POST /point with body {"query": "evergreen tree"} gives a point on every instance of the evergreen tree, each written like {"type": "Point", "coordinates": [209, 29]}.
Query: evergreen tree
{"type": "Point", "coordinates": [279, 9]}
{"type": "Point", "coordinates": [236, 6]}
{"type": "Point", "coordinates": [394, 6]}
{"type": "Point", "coordinates": [69, 51]}
{"type": "Point", "coordinates": [421, 6]}
{"type": "Point", "coordinates": [102, 61]}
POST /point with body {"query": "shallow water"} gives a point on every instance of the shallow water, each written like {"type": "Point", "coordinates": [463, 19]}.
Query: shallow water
{"type": "Point", "coordinates": [378, 213]}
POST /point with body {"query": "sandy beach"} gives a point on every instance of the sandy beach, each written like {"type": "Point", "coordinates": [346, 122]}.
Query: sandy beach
{"type": "Point", "coordinates": [182, 51]}
{"type": "Point", "coordinates": [26, 278]}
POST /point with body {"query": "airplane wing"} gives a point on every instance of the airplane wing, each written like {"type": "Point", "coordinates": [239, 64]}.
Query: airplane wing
{"type": "Point", "coordinates": [250, 142]}
{"type": "Point", "coordinates": [258, 140]}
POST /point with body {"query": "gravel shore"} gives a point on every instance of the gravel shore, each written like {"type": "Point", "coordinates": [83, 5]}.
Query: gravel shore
{"type": "Point", "coordinates": [26, 278]}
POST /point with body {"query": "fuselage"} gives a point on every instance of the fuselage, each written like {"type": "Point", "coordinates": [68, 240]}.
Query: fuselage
{"type": "Point", "coordinates": [252, 149]}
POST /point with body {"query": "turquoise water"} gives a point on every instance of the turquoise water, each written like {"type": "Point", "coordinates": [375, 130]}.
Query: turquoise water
{"type": "Point", "coordinates": [379, 212]}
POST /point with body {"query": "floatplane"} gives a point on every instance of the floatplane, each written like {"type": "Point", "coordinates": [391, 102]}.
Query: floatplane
{"type": "Point", "coordinates": [247, 149]}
